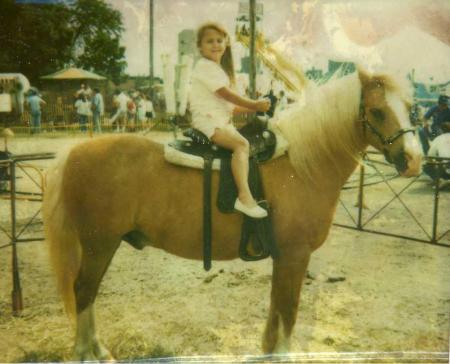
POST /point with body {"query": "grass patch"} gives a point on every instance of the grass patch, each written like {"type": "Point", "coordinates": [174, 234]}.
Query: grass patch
{"type": "Point", "coordinates": [39, 356]}
{"type": "Point", "coordinates": [158, 351]}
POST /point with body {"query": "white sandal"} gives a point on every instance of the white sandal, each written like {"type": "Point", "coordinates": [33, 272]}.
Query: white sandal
{"type": "Point", "coordinates": [257, 212]}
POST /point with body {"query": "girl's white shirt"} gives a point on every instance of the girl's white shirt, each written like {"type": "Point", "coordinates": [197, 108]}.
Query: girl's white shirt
{"type": "Point", "coordinates": [209, 111]}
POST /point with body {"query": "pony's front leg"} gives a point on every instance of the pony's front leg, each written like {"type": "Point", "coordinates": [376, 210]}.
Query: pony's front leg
{"type": "Point", "coordinates": [288, 273]}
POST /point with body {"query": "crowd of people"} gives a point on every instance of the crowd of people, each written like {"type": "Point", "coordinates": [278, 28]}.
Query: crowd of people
{"type": "Point", "coordinates": [129, 109]}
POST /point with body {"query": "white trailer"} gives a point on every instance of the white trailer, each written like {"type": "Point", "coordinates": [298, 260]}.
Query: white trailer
{"type": "Point", "coordinates": [15, 86]}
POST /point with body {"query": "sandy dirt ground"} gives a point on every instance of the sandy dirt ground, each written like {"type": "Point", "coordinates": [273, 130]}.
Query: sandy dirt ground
{"type": "Point", "coordinates": [364, 292]}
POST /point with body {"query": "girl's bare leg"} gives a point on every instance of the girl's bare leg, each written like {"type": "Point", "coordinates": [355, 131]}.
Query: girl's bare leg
{"type": "Point", "coordinates": [232, 140]}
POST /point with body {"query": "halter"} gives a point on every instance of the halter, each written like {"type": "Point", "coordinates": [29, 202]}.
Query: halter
{"type": "Point", "coordinates": [384, 140]}
{"type": "Point", "coordinates": [389, 140]}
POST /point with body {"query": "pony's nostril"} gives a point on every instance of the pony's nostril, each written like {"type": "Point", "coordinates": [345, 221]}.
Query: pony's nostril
{"type": "Point", "coordinates": [413, 163]}
{"type": "Point", "coordinates": [408, 156]}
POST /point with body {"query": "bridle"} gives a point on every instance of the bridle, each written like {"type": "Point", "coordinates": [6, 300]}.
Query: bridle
{"type": "Point", "coordinates": [385, 141]}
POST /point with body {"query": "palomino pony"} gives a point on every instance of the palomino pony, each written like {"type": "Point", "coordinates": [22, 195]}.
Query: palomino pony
{"type": "Point", "coordinates": [121, 188]}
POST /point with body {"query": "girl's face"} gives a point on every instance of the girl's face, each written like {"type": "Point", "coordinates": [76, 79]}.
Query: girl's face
{"type": "Point", "coordinates": [212, 45]}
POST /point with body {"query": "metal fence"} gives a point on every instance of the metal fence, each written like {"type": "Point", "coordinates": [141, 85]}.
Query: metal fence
{"type": "Point", "coordinates": [16, 233]}
{"type": "Point", "coordinates": [361, 219]}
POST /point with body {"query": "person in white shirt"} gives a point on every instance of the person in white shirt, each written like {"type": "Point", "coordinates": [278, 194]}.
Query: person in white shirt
{"type": "Point", "coordinates": [213, 102]}
{"type": "Point", "coordinates": [98, 109]}
{"type": "Point", "coordinates": [120, 101]}
{"type": "Point", "coordinates": [83, 109]}
{"type": "Point", "coordinates": [140, 109]}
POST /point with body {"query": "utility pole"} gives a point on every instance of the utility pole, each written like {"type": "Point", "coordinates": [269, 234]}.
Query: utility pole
{"type": "Point", "coordinates": [252, 46]}
{"type": "Point", "coordinates": [151, 43]}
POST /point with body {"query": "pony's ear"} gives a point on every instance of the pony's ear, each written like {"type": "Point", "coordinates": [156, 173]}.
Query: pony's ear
{"type": "Point", "coordinates": [369, 80]}
{"type": "Point", "coordinates": [364, 76]}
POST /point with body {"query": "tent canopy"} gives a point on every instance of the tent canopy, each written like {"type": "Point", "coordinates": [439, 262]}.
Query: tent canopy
{"type": "Point", "coordinates": [73, 74]}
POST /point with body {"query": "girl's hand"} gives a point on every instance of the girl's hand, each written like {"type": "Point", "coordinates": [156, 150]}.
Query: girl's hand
{"type": "Point", "coordinates": [262, 105]}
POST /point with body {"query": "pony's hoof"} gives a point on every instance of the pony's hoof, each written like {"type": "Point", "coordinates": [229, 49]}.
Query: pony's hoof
{"type": "Point", "coordinates": [103, 354]}
{"type": "Point", "coordinates": [96, 353]}
{"type": "Point", "coordinates": [90, 357]}
{"type": "Point", "coordinates": [83, 356]}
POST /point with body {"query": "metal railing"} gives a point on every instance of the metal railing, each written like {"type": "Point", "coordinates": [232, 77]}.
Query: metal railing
{"type": "Point", "coordinates": [16, 235]}
{"type": "Point", "coordinates": [360, 221]}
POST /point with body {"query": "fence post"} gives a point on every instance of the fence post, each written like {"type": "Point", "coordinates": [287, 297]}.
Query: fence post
{"type": "Point", "coordinates": [435, 208]}
{"type": "Point", "coordinates": [17, 302]}
{"type": "Point", "coordinates": [360, 195]}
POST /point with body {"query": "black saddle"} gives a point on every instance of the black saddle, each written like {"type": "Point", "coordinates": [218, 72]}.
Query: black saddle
{"type": "Point", "coordinates": [262, 143]}
{"type": "Point", "coordinates": [257, 232]}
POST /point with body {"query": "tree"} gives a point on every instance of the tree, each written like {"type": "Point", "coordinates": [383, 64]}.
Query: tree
{"type": "Point", "coordinates": [103, 55]}
{"type": "Point", "coordinates": [34, 39]}
{"type": "Point", "coordinates": [39, 39]}
{"type": "Point", "coordinates": [99, 28]}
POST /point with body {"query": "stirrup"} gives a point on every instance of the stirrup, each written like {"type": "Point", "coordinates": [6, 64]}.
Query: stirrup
{"type": "Point", "coordinates": [257, 212]}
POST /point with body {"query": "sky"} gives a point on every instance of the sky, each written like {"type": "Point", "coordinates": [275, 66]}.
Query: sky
{"type": "Point", "coordinates": [172, 16]}
{"type": "Point", "coordinates": [401, 34]}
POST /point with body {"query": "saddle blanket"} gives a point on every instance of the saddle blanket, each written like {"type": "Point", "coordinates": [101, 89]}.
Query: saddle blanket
{"type": "Point", "coordinates": [177, 157]}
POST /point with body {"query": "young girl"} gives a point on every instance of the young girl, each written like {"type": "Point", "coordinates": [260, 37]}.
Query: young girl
{"type": "Point", "coordinates": [213, 102]}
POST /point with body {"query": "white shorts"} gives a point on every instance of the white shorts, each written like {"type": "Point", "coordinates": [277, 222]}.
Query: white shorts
{"type": "Point", "coordinates": [210, 128]}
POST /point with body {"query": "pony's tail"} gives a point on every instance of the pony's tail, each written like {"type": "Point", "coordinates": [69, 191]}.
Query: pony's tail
{"type": "Point", "coordinates": [61, 235]}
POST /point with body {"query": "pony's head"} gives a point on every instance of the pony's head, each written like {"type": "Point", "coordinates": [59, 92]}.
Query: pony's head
{"type": "Point", "coordinates": [386, 125]}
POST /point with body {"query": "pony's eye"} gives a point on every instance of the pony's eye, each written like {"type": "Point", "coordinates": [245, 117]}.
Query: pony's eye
{"type": "Point", "coordinates": [377, 114]}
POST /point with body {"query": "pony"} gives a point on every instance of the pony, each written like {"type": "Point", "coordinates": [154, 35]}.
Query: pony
{"type": "Point", "coordinates": [120, 187]}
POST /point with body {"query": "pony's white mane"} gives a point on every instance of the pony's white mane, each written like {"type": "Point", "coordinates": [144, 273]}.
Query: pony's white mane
{"type": "Point", "coordinates": [322, 122]}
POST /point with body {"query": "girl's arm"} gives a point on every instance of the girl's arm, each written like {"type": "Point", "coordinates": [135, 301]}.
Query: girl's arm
{"type": "Point", "coordinates": [234, 98]}
{"type": "Point", "coordinates": [242, 110]}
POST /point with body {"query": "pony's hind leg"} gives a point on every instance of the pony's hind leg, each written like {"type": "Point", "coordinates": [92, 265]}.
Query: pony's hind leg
{"type": "Point", "coordinates": [287, 277]}
{"type": "Point", "coordinates": [95, 260]}
{"type": "Point", "coordinates": [87, 346]}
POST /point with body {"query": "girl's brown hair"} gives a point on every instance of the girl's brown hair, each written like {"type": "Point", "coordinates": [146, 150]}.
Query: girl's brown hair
{"type": "Point", "coordinates": [227, 59]}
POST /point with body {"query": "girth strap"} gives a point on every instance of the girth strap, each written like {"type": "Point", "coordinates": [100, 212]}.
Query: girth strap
{"type": "Point", "coordinates": [207, 221]}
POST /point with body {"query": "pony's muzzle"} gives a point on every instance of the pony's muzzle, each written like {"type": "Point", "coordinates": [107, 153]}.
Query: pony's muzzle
{"type": "Point", "coordinates": [414, 164]}
{"type": "Point", "coordinates": [408, 163]}
{"type": "Point", "coordinates": [407, 159]}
